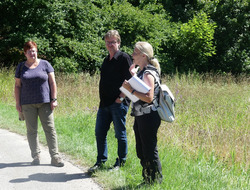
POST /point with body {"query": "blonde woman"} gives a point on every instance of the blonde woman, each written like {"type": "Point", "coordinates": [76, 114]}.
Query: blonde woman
{"type": "Point", "coordinates": [147, 120]}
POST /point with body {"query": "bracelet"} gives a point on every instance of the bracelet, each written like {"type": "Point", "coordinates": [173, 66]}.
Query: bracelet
{"type": "Point", "coordinates": [53, 99]}
{"type": "Point", "coordinates": [133, 91]}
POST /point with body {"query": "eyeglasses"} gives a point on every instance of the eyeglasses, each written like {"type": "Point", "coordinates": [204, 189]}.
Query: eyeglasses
{"type": "Point", "coordinates": [110, 42]}
{"type": "Point", "coordinates": [31, 51]}
{"type": "Point", "coordinates": [136, 53]}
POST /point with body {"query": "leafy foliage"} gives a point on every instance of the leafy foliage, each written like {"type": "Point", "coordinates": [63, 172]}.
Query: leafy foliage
{"type": "Point", "coordinates": [186, 35]}
{"type": "Point", "coordinates": [232, 36]}
{"type": "Point", "coordinates": [61, 29]}
{"type": "Point", "coordinates": [191, 44]}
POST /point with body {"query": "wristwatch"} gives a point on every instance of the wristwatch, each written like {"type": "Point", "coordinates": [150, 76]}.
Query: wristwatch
{"type": "Point", "coordinates": [53, 99]}
{"type": "Point", "coordinates": [121, 98]}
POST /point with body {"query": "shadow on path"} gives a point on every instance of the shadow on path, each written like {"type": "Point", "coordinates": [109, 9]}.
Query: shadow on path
{"type": "Point", "coordinates": [17, 164]}
{"type": "Point", "coordinates": [51, 177]}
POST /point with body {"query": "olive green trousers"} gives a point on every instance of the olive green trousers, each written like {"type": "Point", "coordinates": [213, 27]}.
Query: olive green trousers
{"type": "Point", "coordinates": [42, 111]}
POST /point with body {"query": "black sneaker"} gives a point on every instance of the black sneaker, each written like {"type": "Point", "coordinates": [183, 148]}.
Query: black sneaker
{"type": "Point", "coordinates": [95, 168]}
{"type": "Point", "coordinates": [118, 163]}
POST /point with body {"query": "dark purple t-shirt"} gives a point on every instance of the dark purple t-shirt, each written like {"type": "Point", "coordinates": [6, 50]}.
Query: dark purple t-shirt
{"type": "Point", "coordinates": [35, 84]}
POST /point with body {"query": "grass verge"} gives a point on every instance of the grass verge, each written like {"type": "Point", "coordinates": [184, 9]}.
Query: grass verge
{"type": "Point", "coordinates": [207, 147]}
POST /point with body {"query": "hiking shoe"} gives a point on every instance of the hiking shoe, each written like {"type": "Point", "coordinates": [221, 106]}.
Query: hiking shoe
{"type": "Point", "coordinates": [57, 161]}
{"type": "Point", "coordinates": [36, 161]}
{"type": "Point", "coordinates": [96, 167]}
{"type": "Point", "coordinates": [118, 163]}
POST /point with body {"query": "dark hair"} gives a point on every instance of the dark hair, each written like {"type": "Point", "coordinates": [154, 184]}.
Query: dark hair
{"type": "Point", "coordinates": [28, 45]}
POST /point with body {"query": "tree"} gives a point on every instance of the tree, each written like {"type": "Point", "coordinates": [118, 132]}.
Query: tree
{"type": "Point", "coordinates": [202, 35]}
{"type": "Point", "coordinates": [65, 31]}
{"type": "Point", "coordinates": [232, 35]}
{"type": "Point", "coordinates": [190, 45]}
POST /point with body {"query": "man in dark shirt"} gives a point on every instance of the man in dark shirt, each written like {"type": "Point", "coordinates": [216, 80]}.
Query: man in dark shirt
{"type": "Point", "coordinates": [113, 105]}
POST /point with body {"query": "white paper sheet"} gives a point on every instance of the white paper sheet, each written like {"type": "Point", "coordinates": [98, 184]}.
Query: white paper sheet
{"type": "Point", "coordinates": [137, 84]}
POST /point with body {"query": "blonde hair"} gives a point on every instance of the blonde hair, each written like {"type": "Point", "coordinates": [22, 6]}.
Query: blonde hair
{"type": "Point", "coordinates": [147, 49]}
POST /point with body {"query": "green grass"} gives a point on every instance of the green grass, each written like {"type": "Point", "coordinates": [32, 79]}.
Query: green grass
{"type": "Point", "coordinates": [207, 147]}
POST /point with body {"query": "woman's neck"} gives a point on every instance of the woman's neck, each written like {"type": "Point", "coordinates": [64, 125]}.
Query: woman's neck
{"type": "Point", "coordinates": [143, 65]}
{"type": "Point", "coordinates": [32, 63]}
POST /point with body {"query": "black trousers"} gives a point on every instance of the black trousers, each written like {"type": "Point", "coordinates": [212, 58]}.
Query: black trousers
{"type": "Point", "coordinates": [145, 128]}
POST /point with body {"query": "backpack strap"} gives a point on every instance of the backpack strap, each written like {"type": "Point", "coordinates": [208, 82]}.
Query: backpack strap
{"type": "Point", "coordinates": [166, 89]}
{"type": "Point", "coordinates": [155, 102]}
{"type": "Point", "coordinates": [21, 68]}
{"type": "Point", "coordinates": [156, 78]}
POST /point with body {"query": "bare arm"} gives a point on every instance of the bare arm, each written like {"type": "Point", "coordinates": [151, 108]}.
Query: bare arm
{"type": "Point", "coordinates": [148, 97]}
{"type": "Point", "coordinates": [17, 91]}
{"type": "Point", "coordinates": [53, 88]}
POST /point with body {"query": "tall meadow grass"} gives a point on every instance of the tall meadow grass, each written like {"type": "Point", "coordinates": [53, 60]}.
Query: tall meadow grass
{"type": "Point", "coordinates": [207, 147]}
{"type": "Point", "coordinates": [212, 114]}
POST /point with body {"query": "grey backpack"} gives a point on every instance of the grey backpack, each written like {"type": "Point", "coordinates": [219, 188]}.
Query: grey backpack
{"type": "Point", "coordinates": [166, 103]}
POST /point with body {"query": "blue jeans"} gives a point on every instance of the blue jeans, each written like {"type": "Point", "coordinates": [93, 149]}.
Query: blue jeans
{"type": "Point", "coordinates": [105, 115]}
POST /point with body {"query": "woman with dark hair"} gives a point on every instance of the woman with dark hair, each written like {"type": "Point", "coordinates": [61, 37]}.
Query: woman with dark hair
{"type": "Point", "coordinates": [36, 96]}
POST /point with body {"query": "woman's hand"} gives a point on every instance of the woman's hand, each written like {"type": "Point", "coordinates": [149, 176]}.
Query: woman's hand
{"type": "Point", "coordinates": [53, 105]}
{"type": "Point", "coordinates": [127, 86]}
{"type": "Point", "coordinates": [18, 107]}
{"type": "Point", "coordinates": [133, 69]}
